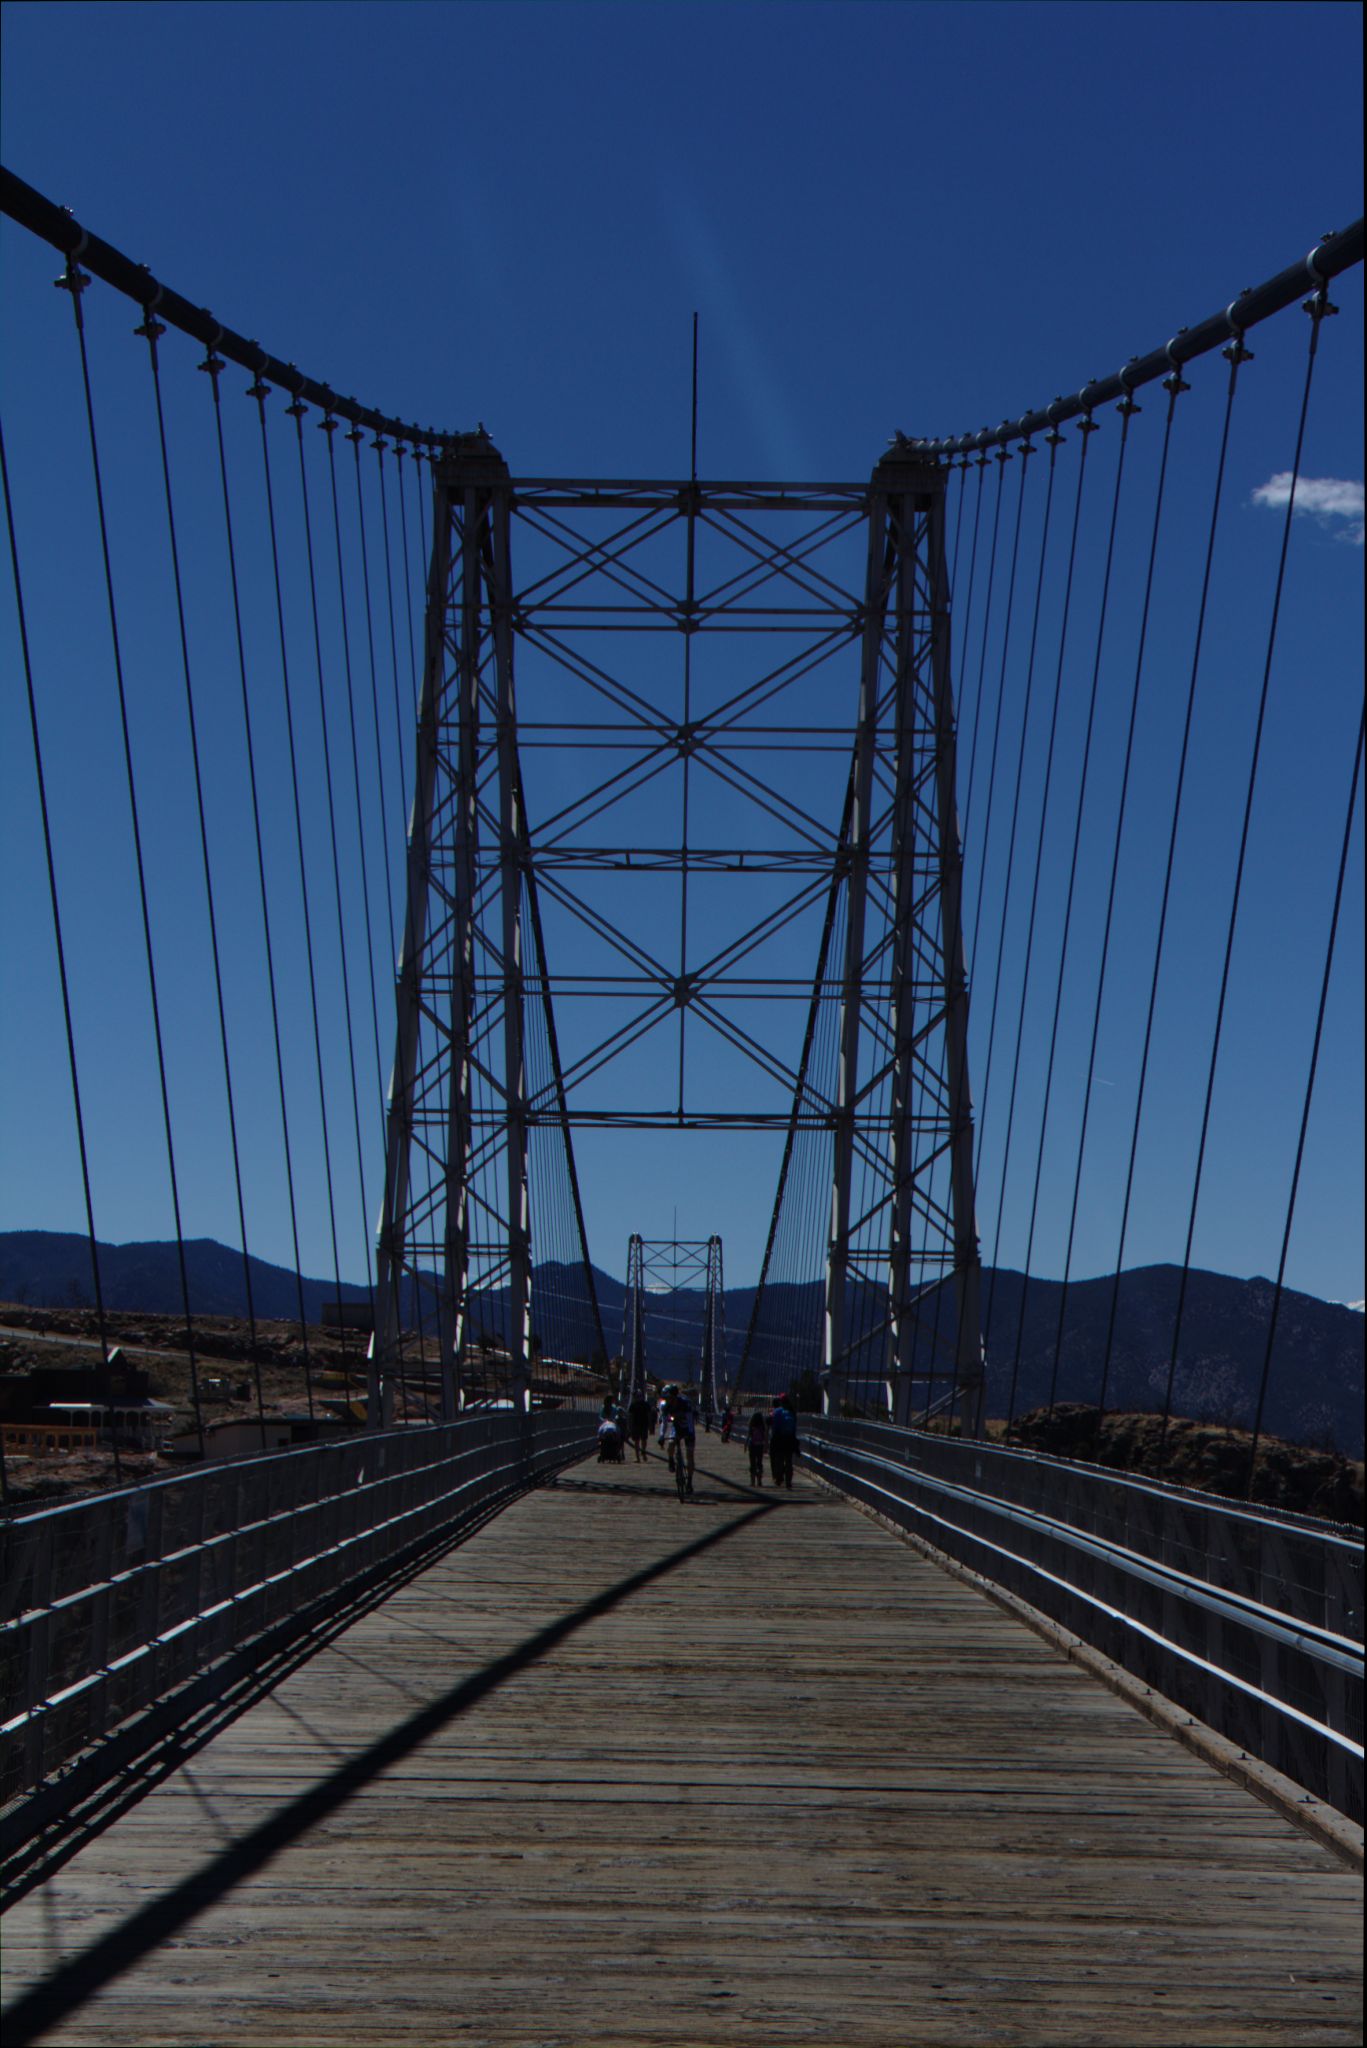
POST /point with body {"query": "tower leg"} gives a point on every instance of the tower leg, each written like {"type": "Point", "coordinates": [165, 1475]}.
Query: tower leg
{"type": "Point", "coordinates": [427, 1229]}
{"type": "Point", "coordinates": [905, 987]}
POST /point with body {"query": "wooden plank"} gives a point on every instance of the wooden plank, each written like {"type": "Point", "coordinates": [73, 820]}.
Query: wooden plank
{"type": "Point", "coordinates": [802, 1786]}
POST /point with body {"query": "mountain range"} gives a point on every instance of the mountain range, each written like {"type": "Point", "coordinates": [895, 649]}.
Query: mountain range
{"type": "Point", "coordinates": [1315, 1385]}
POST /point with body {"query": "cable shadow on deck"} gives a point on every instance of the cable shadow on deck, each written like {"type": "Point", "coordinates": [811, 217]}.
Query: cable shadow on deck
{"type": "Point", "coordinates": [559, 1482]}
{"type": "Point", "coordinates": [65, 1990]}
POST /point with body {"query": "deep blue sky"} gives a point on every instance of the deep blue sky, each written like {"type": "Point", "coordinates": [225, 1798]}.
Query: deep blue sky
{"type": "Point", "coordinates": [913, 216]}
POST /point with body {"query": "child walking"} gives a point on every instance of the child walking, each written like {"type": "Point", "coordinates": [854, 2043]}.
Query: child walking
{"type": "Point", "coordinates": [756, 1442]}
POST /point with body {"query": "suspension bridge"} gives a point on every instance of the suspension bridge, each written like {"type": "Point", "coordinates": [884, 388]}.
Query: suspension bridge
{"type": "Point", "coordinates": [927, 834]}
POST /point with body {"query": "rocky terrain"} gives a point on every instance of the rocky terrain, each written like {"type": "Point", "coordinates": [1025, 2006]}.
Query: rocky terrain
{"type": "Point", "coordinates": [1209, 1456]}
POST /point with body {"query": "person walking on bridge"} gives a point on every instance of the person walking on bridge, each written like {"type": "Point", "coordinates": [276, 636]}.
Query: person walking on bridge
{"type": "Point", "coordinates": [638, 1426]}
{"type": "Point", "coordinates": [683, 1428]}
{"type": "Point", "coordinates": [756, 1442]}
{"type": "Point", "coordinates": [783, 1441]}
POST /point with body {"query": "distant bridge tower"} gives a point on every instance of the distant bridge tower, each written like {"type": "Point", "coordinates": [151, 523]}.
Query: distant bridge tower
{"type": "Point", "coordinates": [688, 1343]}
{"type": "Point", "coordinates": [713, 1333]}
{"type": "Point", "coordinates": [634, 1321]}
{"type": "Point", "coordinates": [902, 1203]}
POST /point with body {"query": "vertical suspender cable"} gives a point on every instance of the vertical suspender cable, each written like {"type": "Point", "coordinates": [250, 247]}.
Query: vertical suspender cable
{"type": "Point", "coordinates": [1028, 696]}
{"type": "Point", "coordinates": [406, 558]}
{"type": "Point", "coordinates": [1087, 423]}
{"type": "Point", "coordinates": [557, 1071]}
{"type": "Point", "coordinates": [424, 555]}
{"type": "Point", "coordinates": [152, 330]}
{"type": "Point", "coordinates": [356, 437]}
{"type": "Point", "coordinates": [287, 692]}
{"type": "Point", "coordinates": [61, 949]}
{"type": "Point", "coordinates": [401, 761]}
{"type": "Point", "coordinates": [951, 574]}
{"type": "Point", "coordinates": [1236, 354]}
{"type": "Point", "coordinates": [1174, 386]}
{"type": "Point", "coordinates": [213, 366]}
{"type": "Point", "coordinates": [1026, 451]}
{"type": "Point", "coordinates": [1305, 1112]}
{"type": "Point", "coordinates": [800, 1088]}
{"type": "Point", "coordinates": [982, 651]}
{"type": "Point", "coordinates": [328, 428]}
{"type": "Point", "coordinates": [297, 410]}
{"type": "Point", "coordinates": [75, 282]}
{"type": "Point", "coordinates": [1317, 307]}
{"type": "Point", "coordinates": [980, 466]}
{"type": "Point", "coordinates": [942, 1072]}
{"type": "Point", "coordinates": [1054, 438]}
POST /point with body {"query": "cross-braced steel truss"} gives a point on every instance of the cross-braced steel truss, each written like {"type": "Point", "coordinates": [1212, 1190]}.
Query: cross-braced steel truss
{"type": "Point", "coordinates": [674, 1317]}
{"type": "Point", "coordinates": [732, 705]}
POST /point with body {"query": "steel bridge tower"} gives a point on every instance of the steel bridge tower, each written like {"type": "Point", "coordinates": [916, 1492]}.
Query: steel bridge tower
{"type": "Point", "coordinates": [780, 635]}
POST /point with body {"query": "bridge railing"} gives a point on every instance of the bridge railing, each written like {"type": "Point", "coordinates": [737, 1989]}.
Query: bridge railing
{"type": "Point", "coordinates": [124, 1614]}
{"type": "Point", "coordinates": [1251, 1621]}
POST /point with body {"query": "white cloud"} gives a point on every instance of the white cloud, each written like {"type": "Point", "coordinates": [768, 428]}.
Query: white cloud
{"type": "Point", "coordinates": [1329, 499]}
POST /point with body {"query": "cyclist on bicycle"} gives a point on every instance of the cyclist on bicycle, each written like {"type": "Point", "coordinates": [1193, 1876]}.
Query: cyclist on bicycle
{"type": "Point", "coordinates": [682, 1425]}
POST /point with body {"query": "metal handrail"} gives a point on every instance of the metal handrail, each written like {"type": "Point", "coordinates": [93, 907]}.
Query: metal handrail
{"type": "Point", "coordinates": [129, 1610]}
{"type": "Point", "coordinates": [1253, 1637]}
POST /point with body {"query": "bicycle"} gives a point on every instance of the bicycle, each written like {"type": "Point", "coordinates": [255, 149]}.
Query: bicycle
{"type": "Point", "coordinates": [683, 1478]}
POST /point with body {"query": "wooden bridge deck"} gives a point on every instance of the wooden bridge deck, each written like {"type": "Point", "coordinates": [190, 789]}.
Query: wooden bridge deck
{"type": "Point", "coordinates": [796, 1784]}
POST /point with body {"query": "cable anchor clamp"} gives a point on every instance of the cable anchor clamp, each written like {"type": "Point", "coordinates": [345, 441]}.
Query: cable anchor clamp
{"type": "Point", "coordinates": [151, 328]}
{"type": "Point", "coordinates": [213, 364]}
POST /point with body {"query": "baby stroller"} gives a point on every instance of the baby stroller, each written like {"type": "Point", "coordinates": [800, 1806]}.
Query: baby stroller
{"type": "Point", "coordinates": [611, 1450]}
